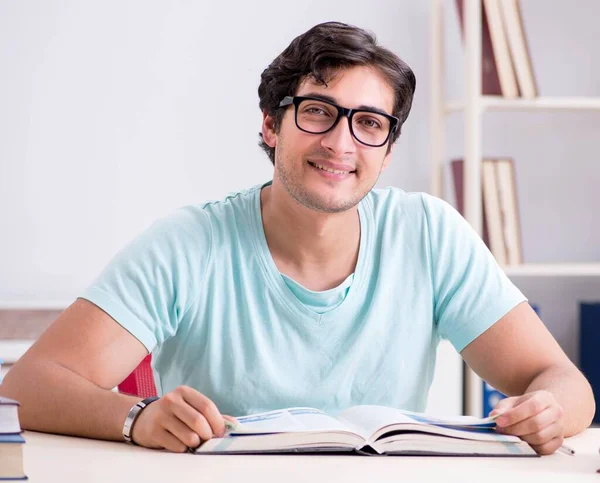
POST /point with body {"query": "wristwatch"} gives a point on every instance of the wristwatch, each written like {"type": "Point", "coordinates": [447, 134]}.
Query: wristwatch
{"type": "Point", "coordinates": [133, 414]}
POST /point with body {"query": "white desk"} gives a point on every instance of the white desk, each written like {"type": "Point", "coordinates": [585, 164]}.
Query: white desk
{"type": "Point", "coordinates": [53, 459]}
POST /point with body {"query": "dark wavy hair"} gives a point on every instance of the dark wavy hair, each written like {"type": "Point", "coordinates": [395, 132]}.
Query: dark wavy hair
{"type": "Point", "coordinates": [320, 53]}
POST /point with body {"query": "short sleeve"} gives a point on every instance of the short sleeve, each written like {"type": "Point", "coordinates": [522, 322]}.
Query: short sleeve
{"type": "Point", "coordinates": [150, 284]}
{"type": "Point", "coordinates": [471, 291]}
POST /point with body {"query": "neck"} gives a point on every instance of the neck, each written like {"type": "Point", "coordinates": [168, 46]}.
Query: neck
{"type": "Point", "coordinates": [318, 250]}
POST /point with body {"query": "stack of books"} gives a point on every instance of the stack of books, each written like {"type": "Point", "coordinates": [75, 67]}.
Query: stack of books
{"type": "Point", "coordinates": [501, 222]}
{"type": "Point", "coordinates": [11, 441]}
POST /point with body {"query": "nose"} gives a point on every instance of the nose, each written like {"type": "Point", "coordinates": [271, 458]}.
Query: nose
{"type": "Point", "coordinates": [339, 140]}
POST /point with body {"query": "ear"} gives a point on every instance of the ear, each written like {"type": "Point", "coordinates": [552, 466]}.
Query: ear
{"type": "Point", "coordinates": [268, 130]}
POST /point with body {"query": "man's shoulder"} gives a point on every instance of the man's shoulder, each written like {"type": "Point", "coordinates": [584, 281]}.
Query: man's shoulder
{"type": "Point", "coordinates": [410, 202]}
{"type": "Point", "coordinates": [205, 210]}
{"type": "Point", "coordinates": [232, 199]}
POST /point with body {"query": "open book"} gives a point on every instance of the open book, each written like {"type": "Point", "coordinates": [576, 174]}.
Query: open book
{"type": "Point", "coordinates": [365, 430]}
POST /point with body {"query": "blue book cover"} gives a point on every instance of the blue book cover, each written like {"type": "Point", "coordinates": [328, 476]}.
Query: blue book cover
{"type": "Point", "coordinates": [589, 342]}
{"type": "Point", "coordinates": [11, 438]}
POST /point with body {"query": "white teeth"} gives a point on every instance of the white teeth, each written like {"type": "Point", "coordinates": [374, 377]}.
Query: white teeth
{"type": "Point", "coordinates": [335, 171]}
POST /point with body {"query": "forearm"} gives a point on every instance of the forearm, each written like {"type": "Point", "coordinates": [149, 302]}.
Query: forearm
{"type": "Point", "coordinates": [56, 400]}
{"type": "Point", "coordinates": [572, 391]}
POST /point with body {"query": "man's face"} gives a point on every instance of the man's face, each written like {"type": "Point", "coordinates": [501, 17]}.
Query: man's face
{"type": "Point", "coordinates": [298, 154]}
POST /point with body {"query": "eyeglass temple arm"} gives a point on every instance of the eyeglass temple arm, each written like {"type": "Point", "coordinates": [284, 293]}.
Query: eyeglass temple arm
{"type": "Point", "coordinates": [286, 101]}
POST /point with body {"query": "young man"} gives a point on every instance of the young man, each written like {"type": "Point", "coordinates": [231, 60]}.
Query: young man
{"type": "Point", "coordinates": [313, 289]}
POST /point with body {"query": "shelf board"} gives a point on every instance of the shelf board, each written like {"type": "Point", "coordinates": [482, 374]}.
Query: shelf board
{"type": "Point", "coordinates": [553, 270]}
{"type": "Point", "coordinates": [13, 349]}
{"type": "Point", "coordinates": [497, 103]}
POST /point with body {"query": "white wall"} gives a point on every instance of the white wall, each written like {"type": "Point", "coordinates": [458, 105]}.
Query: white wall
{"type": "Point", "coordinates": [114, 113]}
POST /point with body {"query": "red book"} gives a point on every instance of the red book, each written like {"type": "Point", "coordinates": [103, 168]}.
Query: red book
{"type": "Point", "coordinates": [490, 80]}
{"type": "Point", "coordinates": [457, 168]}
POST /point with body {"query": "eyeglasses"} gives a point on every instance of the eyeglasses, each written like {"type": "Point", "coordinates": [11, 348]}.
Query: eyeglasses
{"type": "Point", "coordinates": [317, 116]}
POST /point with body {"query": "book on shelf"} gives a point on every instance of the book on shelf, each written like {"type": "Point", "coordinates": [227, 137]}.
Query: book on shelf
{"type": "Point", "coordinates": [365, 430]}
{"type": "Point", "coordinates": [502, 56]}
{"type": "Point", "coordinates": [11, 441]}
{"type": "Point", "coordinates": [507, 190]}
{"type": "Point", "coordinates": [506, 67]}
{"type": "Point", "coordinates": [457, 167]}
{"type": "Point", "coordinates": [589, 342]}
{"type": "Point", "coordinates": [500, 215]}
{"type": "Point", "coordinates": [493, 210]}
{"type": "Point", "coordinates": [497, 72]}
{"type": "Point", "coordinates": [517, 40]}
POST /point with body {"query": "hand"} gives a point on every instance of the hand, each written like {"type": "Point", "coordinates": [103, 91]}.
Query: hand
{"type": "Point", "coordinates": [179, 420]}
{"type": "Point", "coordinates": [536, 417]}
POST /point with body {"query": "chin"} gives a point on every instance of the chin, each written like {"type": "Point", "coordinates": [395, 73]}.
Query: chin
{"type": "Point", "coordinates": [330, 205]}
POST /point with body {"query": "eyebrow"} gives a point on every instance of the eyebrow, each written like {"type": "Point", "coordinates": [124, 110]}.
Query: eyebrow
{"type": "Point", "coordinates": [362, 107]}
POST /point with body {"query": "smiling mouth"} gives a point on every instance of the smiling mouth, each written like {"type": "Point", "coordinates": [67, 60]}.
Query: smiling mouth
{"type": "Point", "coordinates": [329, 170]}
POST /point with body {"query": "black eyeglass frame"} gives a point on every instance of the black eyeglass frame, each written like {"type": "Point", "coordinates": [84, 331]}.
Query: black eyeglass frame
{"type": "Point", "coordinates": [342, 112]}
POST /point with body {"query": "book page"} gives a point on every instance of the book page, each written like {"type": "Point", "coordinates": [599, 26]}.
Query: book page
{"type": "Point", "coordinates": [367, 420]}
{"type": "Point", "coordinates": [455, 421]}
{"type": "Point", "coordinates": [287, 420]}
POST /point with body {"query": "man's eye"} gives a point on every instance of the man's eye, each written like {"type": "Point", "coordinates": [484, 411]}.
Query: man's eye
{"type": "Point", "coordinates": [370, 123]}
{"type": "Point", "coordinates": [316, 110]}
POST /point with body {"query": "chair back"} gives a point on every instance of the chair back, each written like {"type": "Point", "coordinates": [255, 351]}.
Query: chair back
{"type": "Point", "coordinates": [141, 381]}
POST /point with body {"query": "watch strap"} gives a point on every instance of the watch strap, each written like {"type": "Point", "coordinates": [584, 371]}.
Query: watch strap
{"type": "Point", "coordinates": [132, 416]}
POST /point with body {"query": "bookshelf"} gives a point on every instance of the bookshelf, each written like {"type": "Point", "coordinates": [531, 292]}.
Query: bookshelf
{"type": "Point", "coordinates": [495, 103]}
{"type": "Point", "coordinates": [553, 270]}
{"type": "Point", "coordinates": [473, 106]}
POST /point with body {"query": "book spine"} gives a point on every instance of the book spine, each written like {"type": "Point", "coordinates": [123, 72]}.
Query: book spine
{"type": "Point", "coordinates": [490, 80]}
{"type": "Point", "coordinates": [515, 32]}
{"type": "Point", "coordinates": [504, 63]}
{"type": "Point", "coordinates": [507, 190]}
{"type": "Point", "coordinates": [457, 169]}
{"type": "Point", "coordinates": [492, 210]}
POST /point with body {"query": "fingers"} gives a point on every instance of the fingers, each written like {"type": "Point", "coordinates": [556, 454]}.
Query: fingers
{"type": "Point", "coordinates": [535, 423]}
{"type": "Point", "coordinates": [230, 418]}
{"type": "Point", "coordinates": [544, 436]}
{"type": "Point", "coordinates": [503, 405]}
{"type": "Point", "coordinates": [169, 442]}
{"type": "Point", "coordinates": [206, 407]}
{"type": "Point", "coordinates": [549, 447]}
{"type": "Point", "coordinates": [193, 420]}
{"type": "Point", "coordinates": [188, 437]}
{"type": "Point", "coordinates": [523, 410]}
{"type": "Point", "coordinates": [537, 419]}
{"type": "Point", "coordinates": [180, 419]}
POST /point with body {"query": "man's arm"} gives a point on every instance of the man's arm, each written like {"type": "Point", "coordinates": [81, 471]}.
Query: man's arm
{"type": "Point", "coordinates": [64, 384]}
{"type": "Point", "coordinates": [519, 357]}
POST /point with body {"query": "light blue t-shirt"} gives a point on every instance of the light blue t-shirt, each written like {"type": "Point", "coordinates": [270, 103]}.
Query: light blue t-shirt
{"type": "Point", "coordinates": [323, 301]}
{"type": "Point", "coordinates": [201, 291]}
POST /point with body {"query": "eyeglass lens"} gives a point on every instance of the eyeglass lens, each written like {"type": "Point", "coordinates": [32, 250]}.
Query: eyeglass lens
{"type": "Point", "coordinates": [317, 117]}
